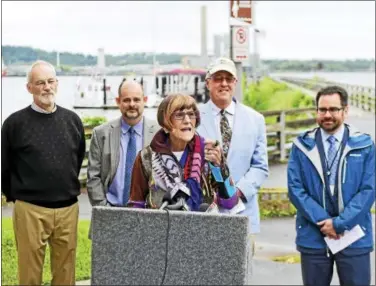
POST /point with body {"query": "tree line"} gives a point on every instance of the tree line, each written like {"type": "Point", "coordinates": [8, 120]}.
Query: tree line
{"type": "Point", "coordinates": [27, 55]}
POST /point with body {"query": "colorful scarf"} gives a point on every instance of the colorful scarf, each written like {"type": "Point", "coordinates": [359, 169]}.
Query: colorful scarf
{"type": "Point", "coordinates": [167, 173]}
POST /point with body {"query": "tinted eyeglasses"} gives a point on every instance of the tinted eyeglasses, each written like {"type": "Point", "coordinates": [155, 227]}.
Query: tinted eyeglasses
{"type": "Point", "coordinates": [332, 110]}
{"type": "Point", "coordinates": [219, 79]}
{"type": "Point", "coordinates": [180, 115]}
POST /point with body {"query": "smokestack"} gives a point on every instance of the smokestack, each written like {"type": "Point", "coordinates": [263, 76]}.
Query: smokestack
{"type": "Point", "coordinates": [101, 64]}
{"type": "Point", "coordinates": [57, 60]}
{"type": "Point", "coordinates": [204, 51]}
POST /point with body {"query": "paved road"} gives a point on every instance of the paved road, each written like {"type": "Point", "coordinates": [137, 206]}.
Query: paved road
{"type": "Point", "coordinates": [277, 238]}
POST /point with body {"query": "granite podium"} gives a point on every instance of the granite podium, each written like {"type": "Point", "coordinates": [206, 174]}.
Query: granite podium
{"type": "Point", "coordinates": [156, 247]}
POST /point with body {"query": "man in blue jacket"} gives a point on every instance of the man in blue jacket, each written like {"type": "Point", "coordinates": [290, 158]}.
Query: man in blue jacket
{"type": "Point", "coordinates": [331, 182]}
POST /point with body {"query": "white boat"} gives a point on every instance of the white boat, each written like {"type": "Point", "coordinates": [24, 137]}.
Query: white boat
{"type": "Point", "coordinates": [93, 92]}
{"type": "Point", "coordinates": [153, 100]}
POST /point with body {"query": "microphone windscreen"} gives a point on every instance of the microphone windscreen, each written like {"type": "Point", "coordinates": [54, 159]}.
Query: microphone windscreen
{"type": "Point", "coordinates": [167, 197]}
{"type": "Point", "coordinates": [203, 207]}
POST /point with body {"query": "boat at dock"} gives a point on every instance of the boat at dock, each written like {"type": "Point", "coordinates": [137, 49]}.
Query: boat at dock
{"type": "Point", "coordinates": [182, 80]}
{"type": "Point", "coordinates": [93, 92]}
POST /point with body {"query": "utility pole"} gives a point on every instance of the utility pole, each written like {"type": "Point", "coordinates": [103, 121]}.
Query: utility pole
{"type": "Point", "coordinates": [238, 65]}
{"type": "Point", "coordinates": [255, 50]}
{"type": "Point", "coordinates": [241, 17]}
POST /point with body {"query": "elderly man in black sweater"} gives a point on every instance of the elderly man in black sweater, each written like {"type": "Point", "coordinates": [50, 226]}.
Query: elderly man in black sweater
{"type": "Point", "coordinates": [42, 148]}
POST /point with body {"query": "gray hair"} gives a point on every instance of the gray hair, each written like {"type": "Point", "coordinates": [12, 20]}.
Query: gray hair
{"type": "Point", "coordinates": [37, 63]}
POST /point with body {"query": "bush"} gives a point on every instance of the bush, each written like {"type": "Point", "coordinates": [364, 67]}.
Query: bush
{"type": "Point", "coordinates": [275, 203]}
{"type": "Point", "coordinates": [93, 121]}
{"type": "Point", "coordinates": [9, 254]}
{"type": "Point", "coordinates": [272, 95]}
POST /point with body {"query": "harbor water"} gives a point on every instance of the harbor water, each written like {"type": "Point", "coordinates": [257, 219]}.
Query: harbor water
{"type": "Point", "coordinates": [14, 95]}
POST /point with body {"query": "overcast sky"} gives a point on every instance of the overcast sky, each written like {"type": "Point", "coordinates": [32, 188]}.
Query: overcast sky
{"type": "Point", "coordinates": [293, 29]}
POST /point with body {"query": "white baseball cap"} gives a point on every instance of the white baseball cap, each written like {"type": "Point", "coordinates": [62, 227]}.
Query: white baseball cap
{"type": "Point", "coordinates": [221, 64]}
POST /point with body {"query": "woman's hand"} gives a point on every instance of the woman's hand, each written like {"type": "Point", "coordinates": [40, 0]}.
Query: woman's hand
{"type": "Point", "coordinates": [213, 152]}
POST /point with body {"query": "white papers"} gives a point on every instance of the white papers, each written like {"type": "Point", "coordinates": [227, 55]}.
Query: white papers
{"type": "Point", "coordinates": [236, 209]}
{"type": "Point", "coordinates": [349, 237]}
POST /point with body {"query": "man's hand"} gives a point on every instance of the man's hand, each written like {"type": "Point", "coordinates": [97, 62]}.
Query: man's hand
{"type": "Point", "coordinates": [328, 229]}
{"type": "Point", "coordinates": [213, 152]}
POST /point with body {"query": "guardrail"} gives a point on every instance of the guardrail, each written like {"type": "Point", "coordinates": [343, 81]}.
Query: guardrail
{"type": "Point", "coordinates": [282, 127]}
{"type": "Point", "coordinates": [359, 96]}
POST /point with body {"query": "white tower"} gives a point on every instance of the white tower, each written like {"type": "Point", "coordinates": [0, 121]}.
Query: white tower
{"type": "Point", "coordinates": [57, 60]}
{"type": "Point", "coordinates": [101, 63]}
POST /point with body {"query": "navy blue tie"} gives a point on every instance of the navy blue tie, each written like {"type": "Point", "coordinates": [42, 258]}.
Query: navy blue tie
{"type": "Point", "coordinates": [129, 161]}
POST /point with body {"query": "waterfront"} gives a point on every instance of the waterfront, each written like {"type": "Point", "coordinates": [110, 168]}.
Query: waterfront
{"type": "Point", "coordinates": [14, 95]}
{"type": "Point", "coordinates": [357, 78]}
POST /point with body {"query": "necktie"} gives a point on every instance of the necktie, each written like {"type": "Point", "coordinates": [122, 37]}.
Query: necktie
{"type": "Point", "coordinates": [129, 161]}
{"type": "Point", "coordinates": [333, 159]}
{"type": "Point", "coordinates": [225, 132]}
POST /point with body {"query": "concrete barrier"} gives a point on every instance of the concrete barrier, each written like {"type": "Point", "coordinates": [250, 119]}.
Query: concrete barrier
{"type": "Point", "coordinates": [152, 247]}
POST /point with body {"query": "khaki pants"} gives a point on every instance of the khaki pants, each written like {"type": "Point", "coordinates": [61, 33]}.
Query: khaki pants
{"type": "Point", "coordinates": [34, 227]}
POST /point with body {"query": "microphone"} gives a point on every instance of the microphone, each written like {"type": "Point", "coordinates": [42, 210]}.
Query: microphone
{"type": "Point", "coordinates": [179, 201]}
{"type": "Point", "coordinates": [166, 200]}
{"type": "Point", "coordinates": [206, 208]}
{"type": "Point", "coordinates": [203, 207]}
{"type": "Point", "coordinates": [179, 205]}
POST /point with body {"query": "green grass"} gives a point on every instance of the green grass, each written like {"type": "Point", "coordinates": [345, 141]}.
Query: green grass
{"type": "Point", "coordinates": [9, 254]}
{"type": "Point", "coordinates": [291, 258]}
{"type": "Point", "coordinates": [272, 95]}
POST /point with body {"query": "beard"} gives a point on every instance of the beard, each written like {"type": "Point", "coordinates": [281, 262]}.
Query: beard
{"type": "Point", "coordinates": [47, 100]}
{"type": "Point", "coordinates": [329, 127]}
{"type": "Point", "coordinates": [134, 115]}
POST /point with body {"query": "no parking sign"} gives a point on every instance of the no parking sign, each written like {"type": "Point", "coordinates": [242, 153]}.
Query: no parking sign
{"type": "Point", "coordinates": [240, 43]}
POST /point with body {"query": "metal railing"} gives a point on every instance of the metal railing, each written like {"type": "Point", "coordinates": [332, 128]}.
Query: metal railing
{"type": "Point", "coordinates": [359, 96]}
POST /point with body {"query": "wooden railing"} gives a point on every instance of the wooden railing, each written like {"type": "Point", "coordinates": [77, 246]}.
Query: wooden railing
{"type": "Point", "coordinates": [281, 131]}
{"type": "Point", "coordinates": [359, 96]}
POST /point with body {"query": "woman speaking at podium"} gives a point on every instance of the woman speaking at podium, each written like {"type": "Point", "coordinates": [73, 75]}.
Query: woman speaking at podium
{"type": "Point", "coordinates": [180, 170]}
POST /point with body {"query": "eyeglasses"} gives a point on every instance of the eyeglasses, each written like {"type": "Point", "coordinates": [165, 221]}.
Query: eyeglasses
{"type": "Point", "coordinates": [180, 115]}
{"type": "Point", "coordinates": [332, 110]}
{"type": "Point", "coordinates": [219, 79]}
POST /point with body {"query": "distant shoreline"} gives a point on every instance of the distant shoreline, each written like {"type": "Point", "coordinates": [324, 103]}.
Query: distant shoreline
{"type": "Point", "coordinates": [270, 72]}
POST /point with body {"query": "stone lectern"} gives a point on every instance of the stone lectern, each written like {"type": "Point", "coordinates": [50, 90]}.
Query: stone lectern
{"type": "Point", "coordinates": [156, 247]}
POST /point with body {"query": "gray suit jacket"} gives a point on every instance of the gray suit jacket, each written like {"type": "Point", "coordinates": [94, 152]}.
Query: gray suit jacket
{"type": "Point", "coordinates": [104, 154]}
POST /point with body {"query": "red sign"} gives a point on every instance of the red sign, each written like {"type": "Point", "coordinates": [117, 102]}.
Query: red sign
{"type": "Point", "coordinates": [241, 10]}
{"type": "Point", "coordinates": [241, 36]}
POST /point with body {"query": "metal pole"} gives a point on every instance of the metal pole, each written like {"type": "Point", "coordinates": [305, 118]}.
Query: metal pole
{"type": "Point", "coordinates": [239, 70]}
{"type": "Point", "coordinates": [230, 34]}
{"type": "Point", "coordinates": [238, 89]}
{"type": "Point", "coordinates": [104, 92]}
{"type": "Point", "coordinates": [254, 58]}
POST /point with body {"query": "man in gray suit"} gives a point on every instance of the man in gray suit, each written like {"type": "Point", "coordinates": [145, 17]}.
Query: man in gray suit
{"type": "Point", "coordinates": [114, 146]}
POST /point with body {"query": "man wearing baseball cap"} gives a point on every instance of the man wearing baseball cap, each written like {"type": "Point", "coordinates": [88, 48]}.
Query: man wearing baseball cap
{"type": "Point", "coordinates": [241, 132]}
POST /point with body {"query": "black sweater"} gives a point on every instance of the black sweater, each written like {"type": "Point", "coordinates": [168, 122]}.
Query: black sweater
{"type": "Point", "coordinates": [42, 156]}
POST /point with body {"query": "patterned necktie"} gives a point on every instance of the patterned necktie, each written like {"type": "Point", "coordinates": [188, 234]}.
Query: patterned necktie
{"type": "Point", "coordinates": [129, 161]}
{"type": "Point", "coordinates": [332, 155]}
{"type": "Point", "coordinates": [225, 132]}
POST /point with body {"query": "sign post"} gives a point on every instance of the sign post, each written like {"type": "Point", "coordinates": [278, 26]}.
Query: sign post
{"type": "Point", "coordinates": [239, 38]}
